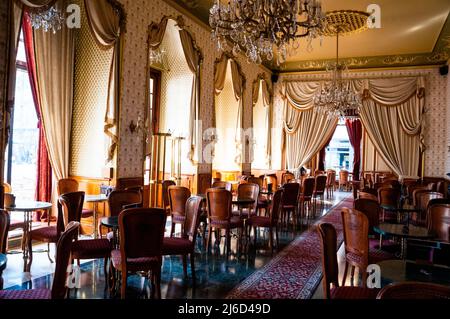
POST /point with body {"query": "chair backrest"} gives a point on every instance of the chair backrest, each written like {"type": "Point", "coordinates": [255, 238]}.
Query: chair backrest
{"type": "Point", "coordinates": [371, 209]}
{"type": "Point", "coordinates": [414, 290]}
{"type": "Point", "coordinates": [67, 185]}
{"type": "Point", "coordinates": [192, 221]}
{"type": "Point", "coordinates": [290, 194]}
{"type": "Point", "coordinates": [328, 239]}
{"type": "Point", "coordinates": [222, 184]}
{"type": "Point", "coordinates": [365, 195]}
{"type": "Point", "coordinates": [7, 187]}
{"type": "Point", "coordinates": [63, 252]}
{"type": "Point", "coordinates": [219, 204]}
{"type": "Point", "coordinates": [308, 186]}
{"type": "Point", "coordinates": [178, 195]}
{"type": "Point", "coordinates": [72, 206]}
{"type": "Point", "coordinates": [272, 179]}
{"type": "Point", "coordinates": [141, 232]}
{"type": "Point", "coordinates": [388, 196]}
{"type": "Point", "coordinates": [120, 198]}
{"type": "Point", "coordinates": [286, 177]}
{"type": "Point", "coordinates": [318, 172]}
{"type": "Point", "coordinates": [356, 234]}
{"type": "Point", "coordinates": [439, 222]}
{"type": "Point", "coordinates": [4, 228]}
{"type": "Point", "coordinates": [424, 198]}
{"type": "Point", "coordinates": [256, 180]}
{"type": "Point", "coordinates": [165, 192]}
{"type": "Point", "coordinates": [249, 191]}
{"type": "Point", "coordinates": [442, 187]}
{"type": "Point", "coordinates": [394, 183]}
{"type": "Point", "coordinates": [416, 196]}
{"type": "Point", "coordinates": [276, 206]}
{"type": "Point", "coordinates": [343, 176]}
{"type": "Point", "coordinates": [321, 184]}
{"type": "Point", "coordinates": [331, 178]}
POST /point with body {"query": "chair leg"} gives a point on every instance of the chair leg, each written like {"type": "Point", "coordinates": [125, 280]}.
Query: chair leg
{"type": "Point", "coordinates": [228, 246]}
{"type": "Point", "coordinates": [158, 282]}
{"type": "Point", "coordinates": [1, 280]}
{"type": "Point", "coordinates": [352, 275]}
{"type": "Point", "coordinates": [184, 257]}
{"type": "Point", "coordinates": [344, 279]}
{"type": "Point", "coordinates": [208, 240]}
{"type": "Point", "coordinates": [30, 255]}
{"type": "Point", "coordinates": [271, 239]}
{"type": "Point", "coordinates": [276, 235]}
{"type": "Point", "coordinates": [123, 286]}
{"type": "Point", "coordinates": [105, 269]}
{"type": "Point", "coordinates": [172, 229]}
{"type": "Point", "coordinates": [48, 253]}
{"type": "Point", "coordinates": [192, 258]}
{"type": "Point", "coordinates": [255, 235]}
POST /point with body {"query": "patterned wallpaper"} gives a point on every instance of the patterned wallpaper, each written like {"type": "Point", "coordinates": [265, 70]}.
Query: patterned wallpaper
{"type": "Point", "coordinates": [447, 166]}
{"type": "Point", "coordinates": [435, 118]}
{"type": "Point", "coordinates": [92, 65]}
{"type": "Point", "coordinates": [140, 13]}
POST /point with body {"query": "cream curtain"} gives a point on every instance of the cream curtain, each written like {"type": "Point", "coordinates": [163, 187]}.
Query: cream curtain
{"type": "Point", "coordinates": [54, 64]}
{"type": "Point", "coordinates": [106, 22]}
{"type": "Point", "coordinates": [392, 114]}
{"type": "Point", "coordinates": [194, 59]}
{"type": "Point", "coordinates": [262, 84]}
{"type": "Point", "coordinates": [306, 130]}
{"type": "Point", "coordinates": [156, 33]}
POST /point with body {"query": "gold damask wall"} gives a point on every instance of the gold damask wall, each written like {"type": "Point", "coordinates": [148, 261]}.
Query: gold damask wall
{"type": "Point", "coordinates": [140, 14]}
{"type": "Point", "coordinates": [92, 65]}
{"type": "Point", "coordinates": [435, 118]}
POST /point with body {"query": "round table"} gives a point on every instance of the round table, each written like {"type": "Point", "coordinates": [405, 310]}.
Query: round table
{"type": "Point", "coordinates": [95, 199]}
{"type": "Point", "coordinates": [113, 223]}
{"type": "Point", "coordinates": [27, 208]}
{"type": "Point", "coordinates": [401, 211]}
{"type": "Point", "coordinates": [403, 232]}
{"type": "Point", "coordinates": [394, 271]}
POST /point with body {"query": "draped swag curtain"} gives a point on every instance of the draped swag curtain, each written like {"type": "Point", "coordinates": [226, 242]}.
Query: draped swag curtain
{"type": "Point", "coordinates": [106, 19]}
{"type": "Point", "coordinates": [392, 113]}
{"type": "Point", "coordinates": [262, 83]}
{"type": "Point", "coordinates": [354, 129]}
{"type": "Point", "coordinates": [194, 59]}
{"type": "Point", "coordinates": [307, 131]}
{"type": "Point", "coordinates": [238, 79]}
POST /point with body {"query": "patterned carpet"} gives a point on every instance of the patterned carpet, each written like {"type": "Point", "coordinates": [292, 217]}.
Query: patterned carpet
{"type": "Point", "coordinates": [296, 271]}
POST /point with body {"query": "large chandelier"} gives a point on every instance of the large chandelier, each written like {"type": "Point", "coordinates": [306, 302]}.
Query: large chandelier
{"type": "Point", "coordinates": [257, 26]}
{"type": "Point", "coordinates": [49, 19]}
{"type": "Point", "coordinates": [337, 98]}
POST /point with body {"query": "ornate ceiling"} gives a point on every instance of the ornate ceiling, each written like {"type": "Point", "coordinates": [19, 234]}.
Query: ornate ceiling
{"type": "Point", "coordinates": [412, 33]}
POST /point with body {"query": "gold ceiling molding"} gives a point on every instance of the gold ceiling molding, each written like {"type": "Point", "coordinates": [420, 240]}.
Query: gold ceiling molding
{"type": "Point", "coordinates": [345, 22]}
{"type": "Point", "coordinates": [398, 59]}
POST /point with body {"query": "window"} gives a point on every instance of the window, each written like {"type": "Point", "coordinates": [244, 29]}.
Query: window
{"type": "Point", "coordinates": [21, 157]}
{"type": "Point", "coordinates": [340, 153]}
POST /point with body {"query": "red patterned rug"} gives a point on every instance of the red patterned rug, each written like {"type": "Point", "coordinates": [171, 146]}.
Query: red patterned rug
{"type": "Point", "coordinates": [296, 271]}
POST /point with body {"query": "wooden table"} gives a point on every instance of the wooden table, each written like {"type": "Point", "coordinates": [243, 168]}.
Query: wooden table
{"type": "Point", "coordinates": [27, 208]}
{"type": "Point", "coordinates": [95, 199]}
{"type": "Point", "coordinates": [403, 232]}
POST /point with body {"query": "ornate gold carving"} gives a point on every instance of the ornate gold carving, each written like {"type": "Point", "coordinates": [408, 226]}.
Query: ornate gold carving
{"type": "Point", "coordinates": [438, 57]}
{"type": "Point", "coordinates": [398, 59]}
{"type": "Point", "coordinates": [345, 22]}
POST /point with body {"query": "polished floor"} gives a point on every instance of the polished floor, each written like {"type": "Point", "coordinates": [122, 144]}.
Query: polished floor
{"type": "Point", "coordinates": [216, 274]}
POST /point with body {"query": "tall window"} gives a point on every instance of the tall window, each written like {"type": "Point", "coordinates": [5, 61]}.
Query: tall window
{"type": "Point", "coordinates": [21, 157]}
{"type": "Point", "coordinates": [340, 153]}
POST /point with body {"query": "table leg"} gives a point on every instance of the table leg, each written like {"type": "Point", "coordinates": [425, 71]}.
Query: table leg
{"type": "Point", "coordinates": [403, 247]}
{"type": "Point", "coordinates": [95, 220]}
{"type": "Point", "coordinates": [27, 239]}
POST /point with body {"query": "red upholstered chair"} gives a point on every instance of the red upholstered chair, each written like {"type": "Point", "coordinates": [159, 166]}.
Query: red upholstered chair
{"type": "Point", "coordinates": [270, 222]}
{"type": "Point", "coordinates": [356, 238]}
{"type": "Point", "coordinates": [141, 240]}
{"type": "Point", "coordinates": [178, 196]}
{"type": "Point", "coordinates": [289, 203]}
{"type": "Point", "coordinates": [263, 202]}
{"type": "Point", "coordinates": [344, 180]}
{"type": "Point", "coordinates": [331, 183]}
{"type": "Point", "coordinates": [331, 287]}
{"type": "Point", "coordinates": [165, 194]}
{"type": "Point", "coordinates": [119, 200]}
{"type": "Point", "coordinates": [4, 226]}
{"type": "Point", "coordinates": [388, 196]}
{"type": "Point", "coordinates": [72, 205]}
{"type": "Point", "coordinates": [70, 185]}
{"type": "Point", "coordinates": [59, 289]}
{"type": "Point", "coordinates": [305, 198]}
{"type": "Point", "coordinates": [185, 245]}
{"type": "Point", "coordinates": [220, 216]}
{"type": "Point", "coordinates": [248, 191]}
{"type": "Point", "coordinates": [319, 190]}
{"type": "Point", "coordinates": [414, 290]}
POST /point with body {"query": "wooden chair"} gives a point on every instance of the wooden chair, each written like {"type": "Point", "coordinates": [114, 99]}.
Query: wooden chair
{"type": "Point", "coordinates": [221, 184]}
{"type": "Point", "coordinates": [414, 290]}
{"type": "Point", "coordinates": [331, 183]}
{"type": "Point", "coordinates": [305, 198]}
{"type": "Point", "coordinates": [270, 222]}
{"type": "Point", "coordinates": [272, 179]}
{"type": "Point", "coordinates": [364, 195]}
{"type": "Point", "coordinates": [286, 177]}
{"type": "Point", "coordinates": [220, 216]}
{"type": "Point", "coordinates": [442, 187]}
{"type": "Point", "coordinates": [185, 245]}
{"type": "Point", "coordinates": [439, 222]}
{"type": "Point", "coordinates": [72, 205]}
{"type": "Point", "coordinates": [263, 202]}
{"type": "Point", "coordinates": [119, 200]}
{"type": "Point", "coordinates": [423, 199]}
{"type": "Point", "coordinates": [356, 238]}
{"type": "Point", "coordinates": [331, 287]}
{"type": "Point", "coordinates": [319, 190]}
{"type": "Point", "coordinates": [250, 191]}
{"type": "Point", "coordinates": [70, 185]}
{"type": "Point", "coordinates": [165, 194]}
{"type": "Point", "coordinates": [14, 224]}
{"type": "Point", "coordinates": [4, 227]}
{"type": "Point", "coordinates": [289, 204]}
{"type": "Point", "coordinates": [59, 288]}
{"type": "Point", "coordinates": [388, 196]}
{"type": "Point", "coordinates": [141, 239]}
{"type": "Point", "coordinates": [178, 196]}
{"type": "Point", "coordinates": [344, 180]}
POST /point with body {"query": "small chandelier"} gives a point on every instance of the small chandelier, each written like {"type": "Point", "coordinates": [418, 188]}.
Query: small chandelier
{"type": "Point", "coordinates": [50, 19]}
{"type": "Point", "coordinates": [338, 99]}
{"type": "Point", "coordinates": [258, 26]}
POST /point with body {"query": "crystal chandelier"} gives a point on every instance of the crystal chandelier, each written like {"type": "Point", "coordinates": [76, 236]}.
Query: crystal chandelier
{"type": "Point", "coordinates": [338, 99]}
{"type": "Point", "coordinates": [51, 19]}
{"type": "Point", "coordinates": [257, 26]}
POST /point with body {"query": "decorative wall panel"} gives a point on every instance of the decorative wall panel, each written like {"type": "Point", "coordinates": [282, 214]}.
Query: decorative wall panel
{"type": "Point", "coordinates": [140, 14]}
{"type": "Point", "coordinates": [92, 67]}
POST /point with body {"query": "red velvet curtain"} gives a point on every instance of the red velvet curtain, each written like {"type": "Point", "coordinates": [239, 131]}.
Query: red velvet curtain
{"type": "Point", "coordinates": [322, 155]}
{"type": "Point", "coordinates": [354, 129]}
{"type": "Point", "coordinates": [44, 170]}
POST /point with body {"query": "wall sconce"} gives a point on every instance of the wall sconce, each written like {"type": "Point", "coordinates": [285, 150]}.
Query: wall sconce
{"type": "Point", "coordinates": [139, 126]}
